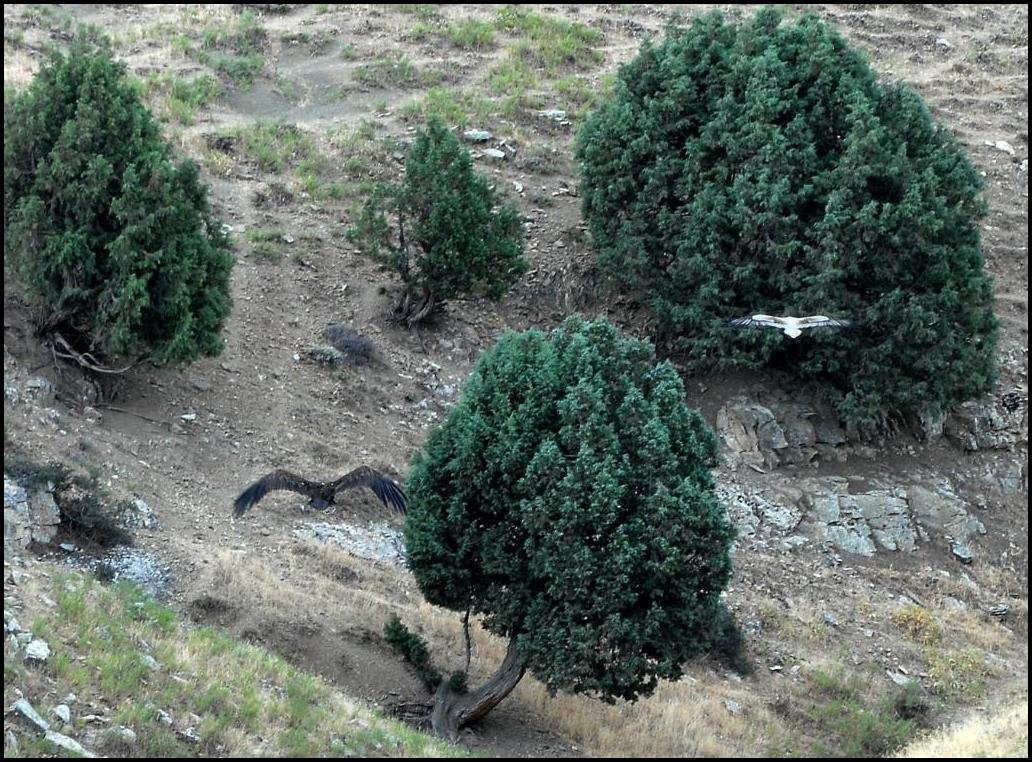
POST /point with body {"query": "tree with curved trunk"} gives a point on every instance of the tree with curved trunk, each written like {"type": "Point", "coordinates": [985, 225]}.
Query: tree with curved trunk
{"type": "Point", "coordinates": [568, 501]}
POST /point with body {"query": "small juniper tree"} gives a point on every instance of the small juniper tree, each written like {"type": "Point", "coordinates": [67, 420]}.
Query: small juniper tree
{"type": "Point", "coordinates": [451, 237]}
{"type": "Point", "coordinates": [763, 168]}
{"type": "Point", "coordinates": [568, 500]}
{"type": "Point", "coordinates": [114, 241]}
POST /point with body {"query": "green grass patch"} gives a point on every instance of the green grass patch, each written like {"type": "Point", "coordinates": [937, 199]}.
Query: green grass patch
{"type": "Point", "coordinates": [315, 43]}
{"type": "Point", "coordinates": [234, 49]}
{"type": "Point", "coordinates": [394, 69]}
{"type": "Point", "coordinates": [851, 725]}
{"type": "Point", "coordinates": [250, 702]}
{"type": "Point", "coordinates": [461, 108]}
{"type": "Point", "coordinates": [273, 146]}
{"type": "Point", "coordinates": [959, 674]}
{"type": "Point", "coordinates": [422, 10]}
{"type": "Point", "coordinates": [267, 244]}
{"type": "Point", "coordinates": [471, 34]}
{"type": "Point", "coordinates": [548, 43]}
{"type": "Point", "coordinates": [177, 99]}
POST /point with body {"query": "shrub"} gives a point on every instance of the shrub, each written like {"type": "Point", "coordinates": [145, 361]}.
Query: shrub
{"type": "Point", "coordinates": [568, 499]}
{"type": "Point", "coordinates": [87, 510]}
{"type": "Point", "coordinates": [763, 169]}
{"type": "Point", "coordinates": [413, 649]}
{"type": "Point", "coordinates": [449, 240]}
{"type": "Point", "coordinates": [115, 242]}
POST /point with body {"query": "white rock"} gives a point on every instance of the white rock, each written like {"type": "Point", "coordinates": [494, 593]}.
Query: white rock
{"type": "Point", "coordinates": [126, 733]}
{"type": "Point", "coordinates": [1001, 145]}
{"type": "Point", "coordinates": [37, 650]}
{"type": "Point", "coordinates": [69, 744]}
{"type": "Point", "coordinates": [25, 709]}
{"type": "Point", "coordinates": [63, 713]}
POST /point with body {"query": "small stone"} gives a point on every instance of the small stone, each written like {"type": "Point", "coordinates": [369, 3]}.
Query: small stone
{"type": "Point", "coordinates": [830, 619]}
{"type": "Point", "coordinates": [151, 663]}
{"type": "Point", "coordinates": [943, 43]}
{"type": "Point", "coordinates": [69, 744]}
{"type": "Point", "coordinates": [126, 733]}
{"type": "Point", "coordinates": [200, 384]}
{"type": "Point", "coordinates": [71, 698]}
{"type": "Point", "coordinates": [494, 153]}
{"type": "Point", "coordinates": [898, 678]}
{"type": "Point", "coordinates": [25, 709]}
{"type": "Point", "coordinates": [165, 718]}
{"type": "Point", "coordinates": [11, 626]}
{"type": "Point", "coordinates": [999, 610]}
{"type": "Point", "coordinates": [67, 547]}
{"type": "Point", "coordinates": [189, 417]}
{"type": "Point", "coordinates": [19, 577]}
{"type": "Point", "coordinates": [963, 553]}
{"type": "Point", "coordinates": [1001, 145]}
{"type": "Point", "coordinates": [555, 114]}
{"type": "Point", "coordinates": [63, 713]}
{"type": "Point", "coordinates": [733, 707]}
{"type": "Point", "coordinates": [189, 735]}
{"type": "Point", "coordinates": [37, 650]}
{"type": "Point", "coordinates": [477, 136]}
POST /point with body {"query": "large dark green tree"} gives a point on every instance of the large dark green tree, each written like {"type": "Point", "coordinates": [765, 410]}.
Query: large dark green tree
{"type": "Point", "coordinates": [568, 499]}
{"type": "Point", "coordinates": [114, 241]}
{"type": "Point", "coordinates": [763, 168]}
{"type": "Point", "coordinates": [443, 230]}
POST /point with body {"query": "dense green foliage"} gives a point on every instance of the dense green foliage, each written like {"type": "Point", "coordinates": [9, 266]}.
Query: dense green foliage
{"type": "Point", "coordinates": [568, 498]}
{"type": "Point", "coordinates": [115, 242]}
{"type": "Point", "coordinates": [413, 649]}
{"type": "Point", "coordinates": [763, 169]}
{"type": "Point", "coordinates": [452, 237]}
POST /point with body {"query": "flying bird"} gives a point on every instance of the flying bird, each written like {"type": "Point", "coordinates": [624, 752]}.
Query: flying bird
{"type": "Point", "coordinates": [792, 326]}
{"type": "Point", "coordinates": [322, 494]}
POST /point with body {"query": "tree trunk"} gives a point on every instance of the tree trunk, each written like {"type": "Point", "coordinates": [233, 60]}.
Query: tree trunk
{"type": "Point", "coordinates": [453, 711]}
{"type": "Point", "coordinates": [414, 308]}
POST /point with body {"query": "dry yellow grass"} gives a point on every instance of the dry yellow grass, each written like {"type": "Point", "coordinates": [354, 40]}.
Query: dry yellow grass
{"type": "Point", "coordinates": [1001, 734]}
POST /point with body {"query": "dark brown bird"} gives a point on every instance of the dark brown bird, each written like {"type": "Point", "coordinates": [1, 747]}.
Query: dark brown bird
{"type": "Point", "coordinates": [322, 494]}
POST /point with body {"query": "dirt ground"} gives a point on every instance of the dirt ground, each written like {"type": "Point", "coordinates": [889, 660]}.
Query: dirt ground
{"type": "Point", "coordinates": [263, 405]}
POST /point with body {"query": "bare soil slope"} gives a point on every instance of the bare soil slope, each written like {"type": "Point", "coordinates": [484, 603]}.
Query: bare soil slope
{"type": "Point", "coordinates": [187, 441]}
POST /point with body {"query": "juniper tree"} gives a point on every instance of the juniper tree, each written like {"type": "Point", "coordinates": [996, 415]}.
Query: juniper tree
{"type": "Point", "coordinates": [568, 500]}
{"type": "Point", "coordinates": [114, 240]}
{"type": "Point", "coordinates": [443, 230]}
{"type": "Point", "coordinates": [763, 168]}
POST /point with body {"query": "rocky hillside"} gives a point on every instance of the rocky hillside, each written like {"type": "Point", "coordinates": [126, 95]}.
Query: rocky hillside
{"type": "Point", "coordinates": [881, 585]}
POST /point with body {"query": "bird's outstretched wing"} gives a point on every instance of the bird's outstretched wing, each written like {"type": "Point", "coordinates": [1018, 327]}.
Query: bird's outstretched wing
{"type": "Point", "coordinates": [756, 320]}
{"type": "Point", "coordinates": [823, 321]}
{"type": "Point", "coordinates": [390, 494]}
{"type": "Point", "coordinates": [278, 479]}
